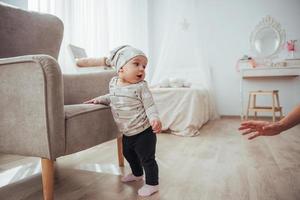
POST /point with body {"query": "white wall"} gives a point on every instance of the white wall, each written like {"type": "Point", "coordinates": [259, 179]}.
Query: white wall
{"type": "Point", "coordinates": [226, 29]}
{"type": "Point", "coordinates": [18, 3]}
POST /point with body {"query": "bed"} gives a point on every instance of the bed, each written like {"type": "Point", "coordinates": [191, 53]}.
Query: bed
{"type": "Point", "coordinates": [183, 111]}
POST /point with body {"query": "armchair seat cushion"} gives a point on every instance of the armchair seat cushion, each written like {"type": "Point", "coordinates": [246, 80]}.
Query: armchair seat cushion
{"type": "Point", "coordinates": [87, 125]}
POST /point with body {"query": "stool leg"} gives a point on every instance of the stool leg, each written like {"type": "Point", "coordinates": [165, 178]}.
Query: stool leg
{"type": "Point", "coordinates": [249, 99]}
{"type": "Point", "coordinates": [278, 105]}
{"type": "Point", "coordinates": [273, 106]}
{"type": "Point", "coordinates": [254, 105]}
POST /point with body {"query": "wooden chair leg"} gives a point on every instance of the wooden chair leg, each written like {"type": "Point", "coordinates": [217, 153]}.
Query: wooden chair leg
{"type": "Point", "coordinates": [48, 178]}
{"type": "Point", "coordinates": [120, 152]}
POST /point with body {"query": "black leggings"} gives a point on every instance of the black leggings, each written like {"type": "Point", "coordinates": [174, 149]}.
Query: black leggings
{"type": "Point", "coordinates": [139, 151]}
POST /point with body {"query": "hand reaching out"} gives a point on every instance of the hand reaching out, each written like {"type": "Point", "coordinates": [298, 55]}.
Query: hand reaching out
{"type": "Point", "coordinates": [156, 126]}
{"type": "Point", "coordinates": [271, 128]}
{"type": "Point", "coordinates": [261, 128]}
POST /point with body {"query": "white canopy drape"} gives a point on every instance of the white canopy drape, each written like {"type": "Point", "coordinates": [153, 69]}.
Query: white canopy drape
{"type": "Point", "coordinates": [182, 53]}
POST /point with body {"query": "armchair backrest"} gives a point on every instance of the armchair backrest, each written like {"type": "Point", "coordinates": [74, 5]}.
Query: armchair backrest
{"type": "Point", "coordinates": [26, 33]}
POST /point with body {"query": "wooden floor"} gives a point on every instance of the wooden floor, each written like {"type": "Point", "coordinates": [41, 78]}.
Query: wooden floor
{"type": "Point", "coordinates": [219, 164]}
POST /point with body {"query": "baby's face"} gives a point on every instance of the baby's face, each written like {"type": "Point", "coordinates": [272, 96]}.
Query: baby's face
{"type": "Point", "coordinates": [134, 70]}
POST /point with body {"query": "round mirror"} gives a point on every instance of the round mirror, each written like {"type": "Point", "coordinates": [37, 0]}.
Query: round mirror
{"type": "Point", "coordinates": [267, 38]}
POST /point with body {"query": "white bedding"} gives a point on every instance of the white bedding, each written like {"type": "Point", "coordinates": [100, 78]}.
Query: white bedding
{"type": "Point", "coordinates": [182, 111]}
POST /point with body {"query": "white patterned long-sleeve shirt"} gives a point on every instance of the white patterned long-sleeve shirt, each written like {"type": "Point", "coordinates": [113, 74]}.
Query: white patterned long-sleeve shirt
{"type": "Point", "coordinates": [132, 106]}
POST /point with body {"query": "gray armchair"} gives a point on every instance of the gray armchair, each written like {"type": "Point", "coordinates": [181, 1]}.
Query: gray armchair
{"type": "Point", "coordinates": [41, 113]}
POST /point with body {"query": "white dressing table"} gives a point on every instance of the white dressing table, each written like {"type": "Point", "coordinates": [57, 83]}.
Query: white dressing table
{"type": "Point", "coordinates": [267, 40]}
{"type": "Point", "coordinates": [269, 72]}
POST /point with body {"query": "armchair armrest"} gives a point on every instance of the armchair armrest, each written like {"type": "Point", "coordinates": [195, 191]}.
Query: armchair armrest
{"type": "Point", "coordinates": [31, 104]}
{"type": "Point", "coordinates": [81, 87]}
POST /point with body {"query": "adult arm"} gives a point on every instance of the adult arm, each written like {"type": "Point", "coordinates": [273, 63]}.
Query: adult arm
{"type": "Point", "coordinates": [258, 128]}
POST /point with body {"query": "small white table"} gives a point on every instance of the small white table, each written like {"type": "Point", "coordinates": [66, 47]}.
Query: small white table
{"type": "Point", "coordinates": [265, 72]}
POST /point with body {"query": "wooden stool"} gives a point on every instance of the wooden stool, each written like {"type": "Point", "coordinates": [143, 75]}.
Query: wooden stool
{"type": "Point", "coordinates": [274, 108]}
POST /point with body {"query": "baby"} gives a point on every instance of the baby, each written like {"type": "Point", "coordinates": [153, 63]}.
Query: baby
{"type": "Point", "coordinates": [135, 115]}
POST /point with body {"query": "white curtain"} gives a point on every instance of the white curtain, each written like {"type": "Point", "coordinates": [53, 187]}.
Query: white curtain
{"type": "Point", "coordinates": [97, 25]}
{"type": "Point", "coordinates": [182, 51]}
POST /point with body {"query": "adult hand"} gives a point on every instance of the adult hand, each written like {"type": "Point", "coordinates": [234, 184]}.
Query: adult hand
{"type": "Point", "coordinates": [260, 128]}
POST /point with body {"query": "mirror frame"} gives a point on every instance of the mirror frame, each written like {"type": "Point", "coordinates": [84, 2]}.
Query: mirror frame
{"type": "Point", "coordinates": [268, 22]}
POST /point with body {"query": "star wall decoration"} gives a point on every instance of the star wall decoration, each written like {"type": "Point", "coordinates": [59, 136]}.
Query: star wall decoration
{"type": "Point", "coordinates": [184, 24]}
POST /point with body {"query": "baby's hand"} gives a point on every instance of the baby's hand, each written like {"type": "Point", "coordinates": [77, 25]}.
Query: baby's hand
{"type": "Point", "coordinates": [94, 101]}
{"type": "Point", "coordinates": [156, 126]}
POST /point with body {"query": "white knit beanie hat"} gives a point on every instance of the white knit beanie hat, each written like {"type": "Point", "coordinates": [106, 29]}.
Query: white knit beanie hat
{"type": "Point", "coordinates": [121, 55]}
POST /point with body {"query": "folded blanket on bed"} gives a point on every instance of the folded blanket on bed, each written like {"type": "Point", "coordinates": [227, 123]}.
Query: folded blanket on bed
{"type": "Point", "coordinates": [174, 83]}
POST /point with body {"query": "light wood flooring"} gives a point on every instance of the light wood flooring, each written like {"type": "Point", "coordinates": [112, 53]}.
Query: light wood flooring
{"type": "Point", "coordinates": [218, 164]}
